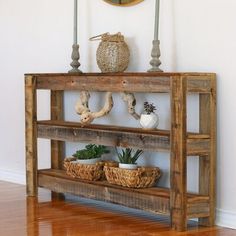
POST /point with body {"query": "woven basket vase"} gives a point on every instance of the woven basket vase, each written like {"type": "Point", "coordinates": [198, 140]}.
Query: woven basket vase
{"type": "Point", "coordinates": [113, 53]}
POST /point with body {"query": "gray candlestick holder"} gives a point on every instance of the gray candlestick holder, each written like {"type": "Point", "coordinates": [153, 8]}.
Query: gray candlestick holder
{"type": "Point", "coordinates": [75, 56]}
{"type": "Point", "coordinates": [155, 54]}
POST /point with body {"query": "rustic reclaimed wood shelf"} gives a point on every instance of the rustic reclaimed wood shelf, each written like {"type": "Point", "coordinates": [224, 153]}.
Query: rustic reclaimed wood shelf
{"type": "Point", "coordinates": [154, 140]}
{"type": "Point", "coordinates": [156, 200]}
{"type": "Point", "coordinates": [174, 201]}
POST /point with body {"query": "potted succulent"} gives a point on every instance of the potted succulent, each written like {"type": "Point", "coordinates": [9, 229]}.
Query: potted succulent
{"type": "Point", "coordinates": [149, 120]}
{"type": "Point", "coordinates": [91, 154]}
{"type": "Point", "coordinates": [128, 158]}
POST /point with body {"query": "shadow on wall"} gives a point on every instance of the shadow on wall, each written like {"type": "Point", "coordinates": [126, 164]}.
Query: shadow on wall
{"type": "Point", "coordinates": [134, 62]}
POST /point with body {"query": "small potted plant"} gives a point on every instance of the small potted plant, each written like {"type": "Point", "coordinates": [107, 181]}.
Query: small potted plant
{"type": "Point", "coordinates": [91, 154]}
{"type": "Point", "coordinates": [128, 158]}
{"type": "Point", "coordinates": [149, 120]}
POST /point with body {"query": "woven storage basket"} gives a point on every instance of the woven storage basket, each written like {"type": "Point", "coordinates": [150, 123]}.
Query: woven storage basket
{"type": "Point", "coordinates": [82, 171]}
{"type": "Point", "coordinates": [91, 172]}
{"type": "Point", "coordinates": [143, 177]}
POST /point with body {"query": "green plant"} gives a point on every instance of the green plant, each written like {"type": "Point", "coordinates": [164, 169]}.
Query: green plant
{"type": "Point", "coordinates": [149, 107]}
{"type": "Point", "coordinates": [128, 156]}
{"type": "Point", "coordinates": [91, 151]}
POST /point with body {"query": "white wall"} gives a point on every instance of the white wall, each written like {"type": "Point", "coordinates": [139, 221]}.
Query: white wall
{"type": "Point", "coordinates": [36, 36]}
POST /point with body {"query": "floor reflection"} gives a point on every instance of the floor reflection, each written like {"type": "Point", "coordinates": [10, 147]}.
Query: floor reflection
{"type": "Point", "coordinates": [77, 216]}
{"type": "Point", "coordinates": [47, 216]}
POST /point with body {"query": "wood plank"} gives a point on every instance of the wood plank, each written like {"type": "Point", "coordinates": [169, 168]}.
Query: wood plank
{"type": "Point", "coordinates": [119, 136]}
{"type": "Point", "coordinates": [57, 218]}
{"type": "Point", "coordinates": [31, 217]}
{"type": "Point", "coordinates": [190, 135]}
{"type": "Point", "coordinates": [198, 146]}
{"type": "Point", "coordinates": [154, 191]}
{"type": "Point", "coordinates": [153, 199]}
{"type": "Point", "coordinates": [178, 165]}
{"type": "Point", "coordinates": [57, 147]}
{"type": "Point", "coordinates": [123, 137]}
{"type": "Point", "coordinates": [199, 84]}
{"type": "Point", "coordinates": [57, 113]}
{"type": "Point", "coordinates": [31, 135]}
{"type": "Point", "coordinates": [106, 193]}
{"type": "Point", "coordinates": [129, 82]}
{"type": "Point", "coordinates": [157, 192]}
{"type": "Point", "coordinates": [114, 128]}
{"type": "Point", "coordinates": [116, 83]}
{"type": "Point", "coordinates": [207, 164]}
{"type": "Point", "coordinates": [198, 210]}
{"type": "Point", "coordinates": [166, 74]}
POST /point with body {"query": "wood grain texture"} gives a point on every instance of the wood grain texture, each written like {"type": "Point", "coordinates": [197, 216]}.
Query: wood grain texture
{"type": "Point", "coordinates": [154, 140]}
{"type": "Point", "coordinates": [24, 216]}
{"type": "Point", "coordinates": [198, 210]}
{"type": "Point", "coordinates": [178, 165]}
{"type": "Point", "coordinates": [112, 195]}
{"type": "Point", "coordinates": [176, 202]}
{"type": "Point", "coordinates": [128, 82]}
{"type": "Point", "coordinates": [57, 147]}
{"type": "Point", "coordinates": [107, 135]}
{"type": "Point", "coordinates": [31, 135]}
{"type": "Point", "coordinates": [207, 164]}
{"type": "Point", "coordinates": [57, 113]}
{"type": "Point", "coordinates": [31, 212]}
{"type": "Point", "coordinates": [156, 200]}
{"type": "Point", "coordinates": [200, 84]}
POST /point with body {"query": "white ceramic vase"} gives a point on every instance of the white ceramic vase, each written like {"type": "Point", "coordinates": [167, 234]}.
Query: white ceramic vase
{"type": "Point", "coordinates": [128, 166]}
{"type": "Point", "coordinates": [88, 161]}
{"type": "Point", "coordinates": [149, 121]}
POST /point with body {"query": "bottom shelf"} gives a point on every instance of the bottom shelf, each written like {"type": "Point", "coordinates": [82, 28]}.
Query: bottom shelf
{"type": "Point", "coordinates": [156, 200]}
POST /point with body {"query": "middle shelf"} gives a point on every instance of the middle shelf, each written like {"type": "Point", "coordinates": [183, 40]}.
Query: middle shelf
{"type": "Point", "coordinates": [153, 140]}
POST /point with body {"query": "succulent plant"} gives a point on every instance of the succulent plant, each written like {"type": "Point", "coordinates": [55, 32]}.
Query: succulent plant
{"type": "Point", "coordinates": [91, 151]}
{"type": "Point", "coordinates": [128, 156]}
{"type": "Point", "coordinates": [149, 108]}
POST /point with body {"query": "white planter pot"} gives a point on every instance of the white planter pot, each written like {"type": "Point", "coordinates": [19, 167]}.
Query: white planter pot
{"type": "Point", "coordinates": [88, 161]}
{"type": "Point", "coordinates": [128, 166]}
{"type": "Point", "coordinates": [150, 121]}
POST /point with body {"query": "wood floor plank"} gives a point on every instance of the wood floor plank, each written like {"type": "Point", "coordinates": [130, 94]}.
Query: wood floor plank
{"type": "Point", "coordinates": [30, 216]}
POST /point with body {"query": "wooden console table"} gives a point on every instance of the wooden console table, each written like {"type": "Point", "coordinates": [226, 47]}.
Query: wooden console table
{"type": "Point", "coordinates": [175, 201]}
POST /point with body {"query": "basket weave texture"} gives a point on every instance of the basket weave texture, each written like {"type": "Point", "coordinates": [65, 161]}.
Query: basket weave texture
{"type": "Point", "coordinates": [81, 171]}
{"type": "Point", "coordinates": [143, 177]}
{"type": "Point", "coordinates": [113, 53]}
{"type": "Point", "coordinates": [91, 172]}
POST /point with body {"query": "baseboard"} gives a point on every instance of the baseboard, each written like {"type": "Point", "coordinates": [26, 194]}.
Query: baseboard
{"type": "Point", "coordinates": [12, 176]}
{"type": "Point", "coordinates": [226, 218]}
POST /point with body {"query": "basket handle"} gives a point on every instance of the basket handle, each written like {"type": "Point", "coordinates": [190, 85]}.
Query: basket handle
{"type": "Point", "coordinates": [98, 37]}
{"type": "Point", "coordinates": [118, 37]}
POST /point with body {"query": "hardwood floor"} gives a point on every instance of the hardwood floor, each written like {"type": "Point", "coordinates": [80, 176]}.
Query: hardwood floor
{"type": "Point", "coordinates": [20, 216]}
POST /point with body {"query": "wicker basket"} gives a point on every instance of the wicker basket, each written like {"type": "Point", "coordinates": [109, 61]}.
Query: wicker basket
{"type": "Point", "coordinates": [91, 172]}
{"type": "Point", "coordinates": [143, 177]}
